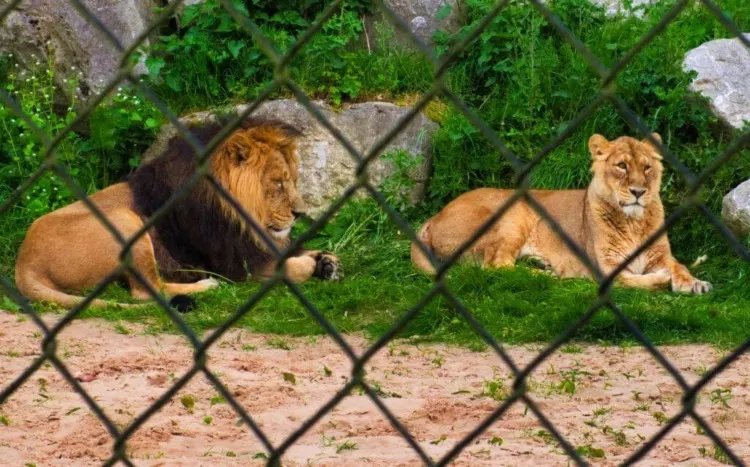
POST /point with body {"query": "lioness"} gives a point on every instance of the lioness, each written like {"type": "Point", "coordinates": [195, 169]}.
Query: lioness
{"type": "Point", "coordinates": [69, 250]}
{"type": "Point", "coordinates": [620, 209]}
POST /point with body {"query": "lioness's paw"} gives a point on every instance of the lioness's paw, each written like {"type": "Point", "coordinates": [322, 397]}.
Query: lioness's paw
{"type": "Point", "coordinates": [690, 285]}
{"type": "Point", "coordinates": [701, 287]}
{"type": "Point", "coordinates": [327, 267]}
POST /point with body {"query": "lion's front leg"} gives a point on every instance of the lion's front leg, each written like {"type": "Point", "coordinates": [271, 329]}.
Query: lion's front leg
{"type": "Point", "coordinates": [318, 264]}
{"type": "Point", "coordinates": [683, 281]}
{"type": "Point", "coordinates": [651, 281]}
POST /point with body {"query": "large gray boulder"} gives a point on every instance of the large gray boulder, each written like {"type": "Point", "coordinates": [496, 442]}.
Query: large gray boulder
{"type": "Point", "coordinates": [326, 168]}
{"type": "Point", "coordinates": [735, 209]}
{"type": "Point", "coordinates": [723, 68]}
{"type": "Point", "coordinates": [40, 29]}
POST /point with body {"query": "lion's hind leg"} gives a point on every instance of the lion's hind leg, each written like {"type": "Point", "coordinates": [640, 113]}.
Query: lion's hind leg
{"type": "Point", "coordinates": [144, 261]}
{"type": "Point", "coordinates": [502, 245]}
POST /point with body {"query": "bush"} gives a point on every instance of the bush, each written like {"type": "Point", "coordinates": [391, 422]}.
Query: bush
{"type": "Point", "coordinates": [211, 59]}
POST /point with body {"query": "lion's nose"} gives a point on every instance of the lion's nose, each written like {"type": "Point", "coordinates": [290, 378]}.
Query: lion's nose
{"type": "Point", "coordinates": [637, 192]}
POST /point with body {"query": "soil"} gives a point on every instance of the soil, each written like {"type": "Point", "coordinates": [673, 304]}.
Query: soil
{"type": "Point", "coordinates": [604, 400]}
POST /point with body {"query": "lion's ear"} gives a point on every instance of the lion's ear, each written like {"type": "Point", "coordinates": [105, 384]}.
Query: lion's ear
{"type": "Point", "coordinates": [238, 149]}
{"type": "Point", "coordinates": [656, 137]}
{"type": "Point", "coordinates": [598, 145]}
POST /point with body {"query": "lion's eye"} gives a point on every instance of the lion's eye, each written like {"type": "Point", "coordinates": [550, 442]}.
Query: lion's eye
{"type": "Point", "coordinates": [647, 168]}
{"type": "Point", "coordinates": [622, 166]}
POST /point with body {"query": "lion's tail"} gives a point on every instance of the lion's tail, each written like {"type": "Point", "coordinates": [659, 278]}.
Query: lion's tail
{"type": "Point", "coordinates": [417, 256]}
{"type": "Point", "coordinates": [35, 290]}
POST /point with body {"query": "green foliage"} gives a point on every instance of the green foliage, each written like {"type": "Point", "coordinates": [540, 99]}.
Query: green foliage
{"type": "Point", "coordinates": [95, 156]}
{"type": "Point", "coordinates": [212, 59]}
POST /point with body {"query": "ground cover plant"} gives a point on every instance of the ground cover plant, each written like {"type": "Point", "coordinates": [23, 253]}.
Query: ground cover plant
{"type": "Point", "coordinates": [523, 80]}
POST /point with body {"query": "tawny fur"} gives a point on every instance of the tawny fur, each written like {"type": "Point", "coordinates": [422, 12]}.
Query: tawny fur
{"type": "Point", "coordinates": [618, 212]}
{"type": "Point", "coordinates": [68, 251]}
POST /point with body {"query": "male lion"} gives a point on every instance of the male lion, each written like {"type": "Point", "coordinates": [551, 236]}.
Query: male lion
{"type": "Point", "coordinates": [69, 250]}
{"type": "Point", "coordinates": [620, 209]}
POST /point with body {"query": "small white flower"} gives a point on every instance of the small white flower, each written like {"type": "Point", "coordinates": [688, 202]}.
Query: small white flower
{"type": "Point", "coordinates": [72, 68]}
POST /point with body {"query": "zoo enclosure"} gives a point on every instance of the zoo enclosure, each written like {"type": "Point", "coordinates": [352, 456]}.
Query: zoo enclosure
{"type": "Point", "coordinates": [606, 94]}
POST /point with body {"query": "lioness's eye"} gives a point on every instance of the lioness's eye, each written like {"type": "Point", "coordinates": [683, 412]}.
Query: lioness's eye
{"type": "Point", "coordinates": [622, 166]}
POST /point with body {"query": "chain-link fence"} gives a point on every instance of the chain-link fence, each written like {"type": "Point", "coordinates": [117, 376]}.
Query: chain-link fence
{"type": "Point", "coordinates": [606, 93]}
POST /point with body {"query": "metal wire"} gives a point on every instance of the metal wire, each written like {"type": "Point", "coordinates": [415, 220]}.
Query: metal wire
{"type": "Point", "coordinates": [523, 170]}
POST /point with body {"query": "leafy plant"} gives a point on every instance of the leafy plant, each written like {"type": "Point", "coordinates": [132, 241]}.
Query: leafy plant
{"type": "Point", "coordinates": [210, 58]}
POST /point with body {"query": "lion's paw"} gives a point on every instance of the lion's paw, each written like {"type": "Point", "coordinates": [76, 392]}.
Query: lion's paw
{"type": "Point", "coordinates": [690, 285]}
{"type": "Point", "coordinates": [209, 283]}
{"type": "Point", "coordinates": [327, 267]}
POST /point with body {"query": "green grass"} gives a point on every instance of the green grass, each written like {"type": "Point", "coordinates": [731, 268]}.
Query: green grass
{"type": "Point", "coordinates": [517, 305]}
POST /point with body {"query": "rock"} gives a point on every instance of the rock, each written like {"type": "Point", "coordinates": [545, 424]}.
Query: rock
{"type": "Point", "coordinates": [181, 7]}
{"type": "Point", "coordinates": [615, 7]}
{"type": "Point", "coordinates": [723, 68]}
{"type": "Point", "coordinates": [326, 168]}
{"type": "Point", "coordinates": [735, 209]}
{"type": "Point", "coordinates": [40, 29]}
{"type": "Point", "coordinates": [425, 17]}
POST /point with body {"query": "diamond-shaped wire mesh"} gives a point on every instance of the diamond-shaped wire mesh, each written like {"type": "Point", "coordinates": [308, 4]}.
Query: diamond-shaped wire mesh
{"type": "Point", "coordinates": [606, 94]}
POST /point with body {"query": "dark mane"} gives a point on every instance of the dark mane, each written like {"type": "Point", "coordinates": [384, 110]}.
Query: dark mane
{"type": "Point", "coordinates": [196, 233]}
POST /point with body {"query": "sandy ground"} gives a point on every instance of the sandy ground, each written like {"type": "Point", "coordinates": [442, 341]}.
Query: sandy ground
{"type": "Point", "coordinates": [606, 400]}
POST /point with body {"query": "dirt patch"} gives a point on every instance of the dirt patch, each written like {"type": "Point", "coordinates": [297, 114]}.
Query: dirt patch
{"type": "Point", "coordinates": [605, 400]}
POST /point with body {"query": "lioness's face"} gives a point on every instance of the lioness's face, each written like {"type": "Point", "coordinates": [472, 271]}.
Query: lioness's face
{"type": "Point", "coordinates": [627, 172]}
{"type": "Point", "coordinates": [283, 202]}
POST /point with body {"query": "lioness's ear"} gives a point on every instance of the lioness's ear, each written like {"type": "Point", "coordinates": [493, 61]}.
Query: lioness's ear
{"type": "Point", "coordinates": [656, 138]}
{"type": "Point", "coordinates": [598, 145]}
